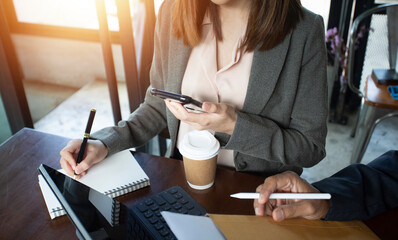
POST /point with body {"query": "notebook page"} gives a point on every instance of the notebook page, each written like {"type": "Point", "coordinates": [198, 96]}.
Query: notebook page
{"type": "Point", "coordinates": [114, 174]}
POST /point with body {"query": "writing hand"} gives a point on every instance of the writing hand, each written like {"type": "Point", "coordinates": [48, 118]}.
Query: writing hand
{"type": "Point", "coordinates": [96, 151]}
{"type": "Point", "coordinates": [281, 209]}
{"type": "Point", "coordinates": [217, 117]}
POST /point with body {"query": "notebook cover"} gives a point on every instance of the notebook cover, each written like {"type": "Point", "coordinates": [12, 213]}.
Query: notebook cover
{"type": "Point", "coordinates": [255, 227]}
{"type": "Point", "coordinates": [53, 206]}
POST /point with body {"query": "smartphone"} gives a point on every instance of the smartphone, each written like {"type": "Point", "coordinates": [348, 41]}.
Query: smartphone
{"type": "Point", "coordinates": [189, 103]}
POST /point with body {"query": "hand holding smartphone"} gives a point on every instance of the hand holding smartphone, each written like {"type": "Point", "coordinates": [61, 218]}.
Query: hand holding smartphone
{"type": "Point", "coordinates": [189, 103]}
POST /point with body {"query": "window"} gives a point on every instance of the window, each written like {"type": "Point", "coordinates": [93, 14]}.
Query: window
{"type": "Point", "coordinates": [69, 13]}
{"type": "Point", "coordinates": [321, 7]}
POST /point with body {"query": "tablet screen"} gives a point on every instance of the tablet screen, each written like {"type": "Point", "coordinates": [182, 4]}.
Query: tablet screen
{"type": "Point", "coordinates": [94, 215]}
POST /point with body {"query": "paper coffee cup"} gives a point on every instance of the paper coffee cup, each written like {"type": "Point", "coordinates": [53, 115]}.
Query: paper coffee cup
{"type": "Point", "coordinates": [199, 150]}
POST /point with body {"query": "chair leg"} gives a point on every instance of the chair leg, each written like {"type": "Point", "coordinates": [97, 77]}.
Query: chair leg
{"type": "Point", "coordinates": [379, 120]}
{"type": "Point", "coordinates": [146, 148]}
{"type": "Point", "coordinates": [354, 129]}
{"type": "Point", "coordinates": [362, 143]}
{"type": "Point", "coordinates": [366, 119]}
{"type": "Point", "coordinates": [162, 146]}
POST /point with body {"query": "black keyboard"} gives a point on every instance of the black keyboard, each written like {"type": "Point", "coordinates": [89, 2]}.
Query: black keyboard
{"type": "Point", "coordinates": [145, 220]}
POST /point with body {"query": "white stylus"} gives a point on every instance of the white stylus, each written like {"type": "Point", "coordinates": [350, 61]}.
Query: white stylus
{"type": "Point", "coordinates": [244, 195]}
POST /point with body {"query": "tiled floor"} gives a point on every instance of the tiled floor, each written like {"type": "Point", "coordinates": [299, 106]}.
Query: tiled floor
{"type": "Point", "coordinates": [70, 117]}
{"type": "Point", "coordinates": [339, 147]}
{"type": "Point", "coordinates": [54, 95]}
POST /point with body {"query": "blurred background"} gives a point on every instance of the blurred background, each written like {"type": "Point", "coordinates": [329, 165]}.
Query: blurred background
{"type": "Point", "coordinates": [60, 58]}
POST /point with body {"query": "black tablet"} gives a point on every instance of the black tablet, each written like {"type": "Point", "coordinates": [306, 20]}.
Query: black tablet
{"type": "Point", "coordinates": [97, 216]}
{"type": "Point", "coordinates": [94, 215]}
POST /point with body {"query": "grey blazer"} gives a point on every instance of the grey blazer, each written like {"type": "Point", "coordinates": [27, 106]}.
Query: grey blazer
{"type": "Point", "coordinates": [282, 125]}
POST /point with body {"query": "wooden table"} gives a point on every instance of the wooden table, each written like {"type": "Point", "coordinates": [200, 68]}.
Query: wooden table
{"type": "Point", "coordinates": [377, 95]}
{"type": "Point", "coordinates": [23, 214]}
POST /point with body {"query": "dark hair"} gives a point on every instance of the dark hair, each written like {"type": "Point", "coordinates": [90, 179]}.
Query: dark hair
{"type": "Point", "coordinates": [268, 24]}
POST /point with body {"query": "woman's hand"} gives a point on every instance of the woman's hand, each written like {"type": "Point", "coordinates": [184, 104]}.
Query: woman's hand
{"type": "Point", "coordinates": [217, 117]}
{"type": "Point", "coordinates": [96, 151]}
{"type": "Point", "coordinates": [281, 209]}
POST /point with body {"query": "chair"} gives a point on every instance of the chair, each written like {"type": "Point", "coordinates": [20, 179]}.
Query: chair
{"type": "Point", "coordinates": [137, 52]}
{"type": "Point", "coordinates": [376, 98]}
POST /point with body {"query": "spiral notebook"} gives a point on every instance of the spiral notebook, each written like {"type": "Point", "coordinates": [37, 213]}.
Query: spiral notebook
{"type": "Point", "coordinates": [108, 207]}
{"type": "Point", "coordinates": [116, 175]}
{"type": "Point", "coordinates": [54, 207]}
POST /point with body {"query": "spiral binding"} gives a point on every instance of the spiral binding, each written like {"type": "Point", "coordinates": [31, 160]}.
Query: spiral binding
{"type": "Point", "coordinates": [115, 213]}
{"type": "Point", "coordinates": [58, 211]}
{"type": "Point", "coordinates": [127, 188]}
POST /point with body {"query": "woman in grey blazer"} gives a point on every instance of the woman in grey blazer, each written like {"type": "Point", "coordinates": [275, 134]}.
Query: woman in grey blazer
{"type": "Point", "coordinates": [282, 124]}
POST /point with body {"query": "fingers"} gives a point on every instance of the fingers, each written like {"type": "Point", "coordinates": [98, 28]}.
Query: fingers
{"type": "Point", "coordinates": [218, 117]}
{"type": "Point", "coordinates": [177, 109]}
{"type": "Point", "coordinates": [209, 107]}
{"type": "Point", "coordinates": [181, 113]}
{"type": "Point", "coordinates": [258, 208]}
{"type": "Point", "coordinates": [283, 182]}
{"type": "Point", "coordinates": [68, 154]}
{"type": "Point", "coordinates": [197, 120]}
{"type": "Point", "coordinates": [263, 209]}
{"type": "Point", "coordinates": [276, 183]}
{"type": "Point", "coordinates": [84, 165]}
{"type": "Point", "coordinates": [306, 208]}
{"type": "Point", "coordinates": [67, 167]}
{"type": "Point", "coordinates": [281, 209]}
{"type": "Point", "coordinates": [96, 151]}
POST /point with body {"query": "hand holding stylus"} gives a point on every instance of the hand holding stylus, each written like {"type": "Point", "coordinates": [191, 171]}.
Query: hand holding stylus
{"type": "Point", "coordinates": [280, 209]}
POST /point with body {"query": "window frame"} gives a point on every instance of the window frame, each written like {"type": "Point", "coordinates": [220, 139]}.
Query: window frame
{"type": "Point", "coordinates": [45, 30]}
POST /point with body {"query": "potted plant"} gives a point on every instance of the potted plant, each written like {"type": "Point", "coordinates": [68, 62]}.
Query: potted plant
{"type": "Point", "coordinates": [337, 48]}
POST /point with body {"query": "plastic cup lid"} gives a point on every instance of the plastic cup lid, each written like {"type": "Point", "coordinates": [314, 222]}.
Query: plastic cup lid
{"type": "Point", "coordinates": [199, 145]}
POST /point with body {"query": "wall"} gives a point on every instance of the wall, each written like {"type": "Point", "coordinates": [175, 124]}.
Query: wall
{"type": "Point", "coordinates": [62, 61]}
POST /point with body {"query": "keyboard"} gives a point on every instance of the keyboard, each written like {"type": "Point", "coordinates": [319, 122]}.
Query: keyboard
{"type": "Point", "coordinates": [145, 220]}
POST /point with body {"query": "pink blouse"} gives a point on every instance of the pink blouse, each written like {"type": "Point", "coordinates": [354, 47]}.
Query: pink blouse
{"type": "Point", "coordinates": [204, 83]}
